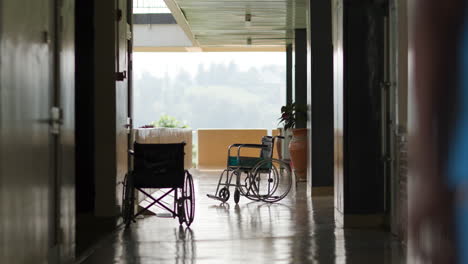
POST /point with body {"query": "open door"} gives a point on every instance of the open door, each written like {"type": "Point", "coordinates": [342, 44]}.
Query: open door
{"type": "Point", "coordinates": [123, 121]}
{"type": "Point", "coordinates": [395, 67]}
{"type": "Point", "coordinates": [130, 75]}
{"type": "Point", "coordinates": [388, 124]}
{"type": "Point", "coordinates": [64, 101]}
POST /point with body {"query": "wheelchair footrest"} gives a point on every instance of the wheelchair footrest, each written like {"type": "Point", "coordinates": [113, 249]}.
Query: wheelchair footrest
{"type": "Point", "coordinates": [216, 198]}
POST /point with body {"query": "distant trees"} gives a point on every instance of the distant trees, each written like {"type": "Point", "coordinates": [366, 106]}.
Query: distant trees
{"type": "Point", "coordinates": [219, 96]}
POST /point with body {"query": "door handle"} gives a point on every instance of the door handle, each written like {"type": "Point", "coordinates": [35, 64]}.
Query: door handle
{"type": "Point", "coordinates": [128, 125]}
{"type": "Point", "coordinates": [55, 120]}
{"type": "Point", "coordinates": [120, 76]}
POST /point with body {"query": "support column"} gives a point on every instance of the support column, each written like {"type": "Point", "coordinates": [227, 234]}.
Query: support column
{"type": "Point", "coordinates": [320, 98]}
{"type": "Point", "coordinates": [300, 71]}
{"type": "Point", "coordinates": [105, 109]}
{"type": "Point", "coordinates": [358, 73]}
{"type": "Point", "coordinates": [289, 73]}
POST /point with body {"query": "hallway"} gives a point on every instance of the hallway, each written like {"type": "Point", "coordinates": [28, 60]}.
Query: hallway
{"type": "Point", "coordinates": [295, 230]}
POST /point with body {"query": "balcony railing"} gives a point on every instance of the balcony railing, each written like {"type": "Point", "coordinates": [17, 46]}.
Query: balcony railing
{"type": "Point", "coordinates": [150, 7]}
{"type": "Point", "coordinates": [210, 145]}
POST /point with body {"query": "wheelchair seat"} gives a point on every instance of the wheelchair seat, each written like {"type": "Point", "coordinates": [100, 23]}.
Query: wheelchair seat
{"type": "Point", "coordinates": [247, 163]}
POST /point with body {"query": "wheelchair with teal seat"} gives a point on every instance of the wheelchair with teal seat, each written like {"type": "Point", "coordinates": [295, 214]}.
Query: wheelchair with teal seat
{"type": "Point", "coordinates": [260, 178]}
{"type": "Point", "coordinates": [159, 166]}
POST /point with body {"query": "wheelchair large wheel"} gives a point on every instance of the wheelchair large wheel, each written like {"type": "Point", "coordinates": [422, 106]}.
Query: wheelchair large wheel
{"type": "Point", "coordinates": [246, 186]}
{"type": "Point", "coordinates": [188, 198]}
{"type": "Point", "coordinates": [271, 180]}
{"type": "Point", "coordinates": [128, 197]}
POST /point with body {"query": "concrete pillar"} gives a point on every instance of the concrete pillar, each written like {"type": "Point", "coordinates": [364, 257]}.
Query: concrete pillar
{"type": "Point", "coordinates": [85, 107]}
{"type": "Point", "coordinates": [300, 71]}
{"type": "Point", "coordinates": [105, 109]}
{"type": "Point", "coordinates": [358, 35]}
{"type": "Point", "coordinates": [320, 97]}
{"type": "Point", "coordinates": [289, 73]}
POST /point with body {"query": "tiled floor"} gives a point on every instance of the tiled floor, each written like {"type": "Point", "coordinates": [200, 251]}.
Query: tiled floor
{"type": "Point", "coordinates": [295, 230]}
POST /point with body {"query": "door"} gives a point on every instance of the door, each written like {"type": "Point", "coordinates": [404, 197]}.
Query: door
{"type": "Point", "coordinates": [130, 75]}
{"type": "Point", "coordinates": [122, 94]}
{"type": "Point", "coordinates": [392, 128]}
{"type": "Point", "coordinates": [64, 101]}
{"type": "Point", "coordinates": [388, 86]}
{"type": "Point", "coordinates": [27, 226]}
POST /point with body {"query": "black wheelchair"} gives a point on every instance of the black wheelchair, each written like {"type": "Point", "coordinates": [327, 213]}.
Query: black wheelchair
{"type": "Point", "coordinates": [159, 166]}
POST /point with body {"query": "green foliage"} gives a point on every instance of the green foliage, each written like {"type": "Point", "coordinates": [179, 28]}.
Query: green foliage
{"type": "Point", "coordinates": [169, 121]}
{"type": "Point", "coordinates": [291, 113]}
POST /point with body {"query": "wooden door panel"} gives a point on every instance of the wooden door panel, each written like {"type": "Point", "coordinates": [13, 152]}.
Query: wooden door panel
{"type": "Point", "coordinates": [25, 145]}
{"type": "Point", "coordinates": [66, 157]}
{"type": "Point", "coordinates": [121, 96]}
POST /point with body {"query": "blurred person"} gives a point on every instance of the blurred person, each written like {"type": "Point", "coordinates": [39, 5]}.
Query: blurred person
{"type": "Point", "coordinates": [438, 220]}
{"type": "Point", "coordinates": [458, 156]}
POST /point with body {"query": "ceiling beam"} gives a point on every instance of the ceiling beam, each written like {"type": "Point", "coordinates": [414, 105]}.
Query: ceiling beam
{"type": "Point", "coordinates": [181, 20]}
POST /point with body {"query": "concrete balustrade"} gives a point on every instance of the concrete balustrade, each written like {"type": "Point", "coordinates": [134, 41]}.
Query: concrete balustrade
{"type": "Point", "coordinates": [213, 145]}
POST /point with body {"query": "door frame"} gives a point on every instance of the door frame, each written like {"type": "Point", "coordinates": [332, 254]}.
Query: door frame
{"type": "Point", "coordinates": [130, 78]}
{"type": "Point", "coordinates": [392, 128]}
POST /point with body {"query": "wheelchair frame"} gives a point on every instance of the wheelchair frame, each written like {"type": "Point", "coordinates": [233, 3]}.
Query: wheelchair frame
{"type": "Point", "coordinates": [159, 166]}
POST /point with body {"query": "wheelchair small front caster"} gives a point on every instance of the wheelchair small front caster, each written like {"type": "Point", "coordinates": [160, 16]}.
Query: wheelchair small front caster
{"type": "Point", "coordinates": [224, 194]}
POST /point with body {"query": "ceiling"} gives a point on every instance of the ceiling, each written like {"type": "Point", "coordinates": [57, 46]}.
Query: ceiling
{"type": "Point", "coordinates": [224, 22]}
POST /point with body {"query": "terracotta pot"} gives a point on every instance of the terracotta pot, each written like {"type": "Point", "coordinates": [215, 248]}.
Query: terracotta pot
{"type": "Point", "coordinates": [298, 152]}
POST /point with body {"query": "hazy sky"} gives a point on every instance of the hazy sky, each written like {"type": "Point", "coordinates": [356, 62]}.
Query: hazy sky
{"type": "Point", "coordinates": [161, 63]}
{"type": "Point", "coordinates": [234, 89]}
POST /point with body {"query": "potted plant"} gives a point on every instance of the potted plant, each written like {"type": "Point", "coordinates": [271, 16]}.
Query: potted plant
{"type": "Point", "coordinates": [290, 115]}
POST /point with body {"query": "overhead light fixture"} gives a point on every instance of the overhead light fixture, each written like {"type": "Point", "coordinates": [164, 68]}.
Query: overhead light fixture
{"type": "Point", "coordinates": [248, 20]}
{"type": "Point", "coordinates": [249, 41]}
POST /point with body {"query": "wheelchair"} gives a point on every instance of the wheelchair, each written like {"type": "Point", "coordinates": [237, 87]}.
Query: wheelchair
{"type": "Point", "coordinates": [159, 166]}
{"type": "Point", "coordinates": [260, 178]}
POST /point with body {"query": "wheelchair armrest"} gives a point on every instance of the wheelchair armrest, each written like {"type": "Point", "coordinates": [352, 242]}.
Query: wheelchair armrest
{"type": "Point", "coordinates": [252, 146]}
{"type": "Point", "coordinates": [240, 146]}
{"type": "Point", "coordinates": [245, 146]}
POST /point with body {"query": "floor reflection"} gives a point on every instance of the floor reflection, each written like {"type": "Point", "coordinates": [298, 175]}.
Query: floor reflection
{"type": "Point", "coordinates": [295, 230]}
{"type": "Point", "coordinates": [186, 252]}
